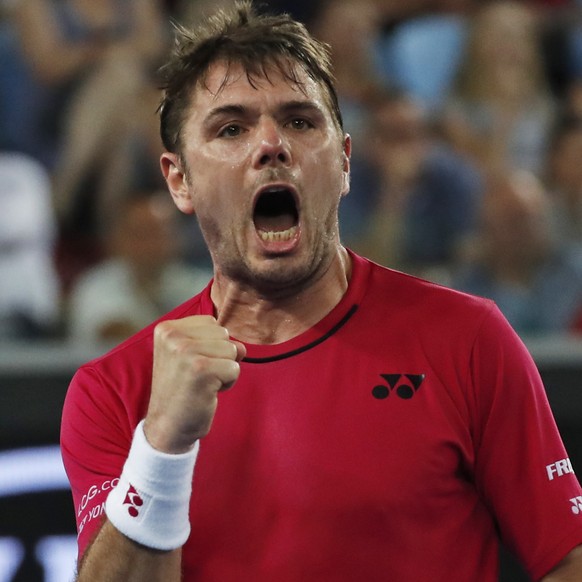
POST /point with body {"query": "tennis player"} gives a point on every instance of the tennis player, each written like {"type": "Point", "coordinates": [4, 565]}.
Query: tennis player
{"type": "Point", "coordinates": [310, 416]}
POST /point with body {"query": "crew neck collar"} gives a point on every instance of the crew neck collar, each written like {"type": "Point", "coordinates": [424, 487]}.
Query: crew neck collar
{"type": "Point", "coordinates": [322, 330]}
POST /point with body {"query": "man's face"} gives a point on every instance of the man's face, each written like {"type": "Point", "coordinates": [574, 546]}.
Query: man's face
{"type": "Point", "coordinates": [264, 170]}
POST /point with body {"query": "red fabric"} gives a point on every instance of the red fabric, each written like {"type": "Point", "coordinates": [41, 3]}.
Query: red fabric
{"type": "Point", "coordinates": [577, 323]}
{"type": "Point", "coordinates": [387, 447]}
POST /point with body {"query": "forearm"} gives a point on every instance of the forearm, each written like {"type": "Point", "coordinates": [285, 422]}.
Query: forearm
{"type": "Point", "coordinates": [156, 481]}
{"type": "Point", "coordinates": [53, 59]}
{"type": "Point", "coordinates": [114, 557]}
{"type": "Point", "coordinates": [147, 518]}
{"type": "Point", "coordinates": [151, 38]}
{"type": "Point", "coordinates": [569, 569]}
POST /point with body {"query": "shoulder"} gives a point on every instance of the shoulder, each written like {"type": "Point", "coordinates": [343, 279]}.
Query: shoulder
{"type": "Point", "coordinates": [137, 351]}
{"type": "Point", "coordinates": [116, 386]}
{"type": "Point", "coordinates": [432, 313]}
{"type": "Point", "coordinates": [411, 292]}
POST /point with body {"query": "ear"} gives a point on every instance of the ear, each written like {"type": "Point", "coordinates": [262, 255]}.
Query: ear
{"type": "Point", "coordinates": [177, 181]}
{"type": "Point", "coordinates": [347, 153]}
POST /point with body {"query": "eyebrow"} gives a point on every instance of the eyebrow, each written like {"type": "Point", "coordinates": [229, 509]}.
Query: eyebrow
{"type": "Point", "coordinates": [224, 111]}
{"type": "Point", "coordinates": [301, 106]}
{"type": "Point", "coordinates": [242, 110]}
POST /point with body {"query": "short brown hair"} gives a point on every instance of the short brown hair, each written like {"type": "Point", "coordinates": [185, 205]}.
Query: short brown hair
{"type": "Point", "coordinates": [240, 36]}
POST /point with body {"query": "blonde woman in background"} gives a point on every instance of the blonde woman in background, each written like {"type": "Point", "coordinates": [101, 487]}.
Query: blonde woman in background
{"type": "Point", "coordinates": [501, 111]}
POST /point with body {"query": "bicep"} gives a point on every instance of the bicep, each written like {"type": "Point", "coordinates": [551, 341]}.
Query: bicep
{"type": "Point", "coordinates": [94, 446]}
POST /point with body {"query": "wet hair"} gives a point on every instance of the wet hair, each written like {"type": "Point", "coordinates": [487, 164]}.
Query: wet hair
{"type": "Point", "coordinates": [260, 43]}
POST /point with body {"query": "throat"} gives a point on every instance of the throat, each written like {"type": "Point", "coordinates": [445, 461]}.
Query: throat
{"type": "Point", "coordinates": [271, 318]}
{"type": "Point", "coordinates": [263, 322]}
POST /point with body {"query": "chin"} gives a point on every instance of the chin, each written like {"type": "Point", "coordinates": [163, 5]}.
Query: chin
{"type": "Point", "coordinates": [277, 274]}
{"type": "Point", "coordinates": [282, 275]}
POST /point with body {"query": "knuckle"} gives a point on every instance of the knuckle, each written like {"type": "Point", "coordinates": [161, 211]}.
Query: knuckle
{"type": "Point", "coordinates": [231, 372]}
{"type": "Point", "coordinates": [164, 331]}
{"type": "Point", "coordinates": [235, 368]}
{"type": "Point", "coordinates": [161, 328]}
{"type": "Point", "coordinates": [201, 366]}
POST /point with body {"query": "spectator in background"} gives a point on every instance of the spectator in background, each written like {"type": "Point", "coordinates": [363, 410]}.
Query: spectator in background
{"type": "Point", "coordinates": [536, 283]}
{"type": "Point", "coordinates": [571, 101]}
{"type": "Point", "coordinates": [565, 179]}
{"type": "Point", "coordinates": [29, 286]}
{"type": "Point", "coordinates": [352, 29]}
{"type": "Point", "coordinates": [425, 196]}
{"type": "Point", "coordinates": [572, 30]}
{"type": "Point", "coordinates": [188, 12]}
{"type": "Point", "coordinates": [142, 278]}
{"type": "Point", "coordinates": [94, 60]}
{"type": "Point", "coordinates": [421, 46]}
{"type": "Point", "coordinates": [501, 110]}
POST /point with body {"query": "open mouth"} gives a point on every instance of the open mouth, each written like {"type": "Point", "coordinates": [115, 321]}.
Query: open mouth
{"type": "Point", "coordinates": [276, 215]}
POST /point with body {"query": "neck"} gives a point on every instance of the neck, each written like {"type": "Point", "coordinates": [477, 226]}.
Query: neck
{"type": "Point", "coordinates": [260, 318]}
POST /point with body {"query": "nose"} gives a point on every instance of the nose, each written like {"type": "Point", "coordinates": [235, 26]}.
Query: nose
{"type": "Point", "coordinates": [272, 148]}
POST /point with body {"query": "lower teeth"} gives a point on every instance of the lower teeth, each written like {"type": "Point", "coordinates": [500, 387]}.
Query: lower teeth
{"type": "Point", "coordinates": [279, 236]}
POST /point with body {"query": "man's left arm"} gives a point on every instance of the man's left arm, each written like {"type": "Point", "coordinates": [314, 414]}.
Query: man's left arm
{"type": "Point", "coordinates": [522, 461]}
{"type": "Point", "coordinates": [569, 569]}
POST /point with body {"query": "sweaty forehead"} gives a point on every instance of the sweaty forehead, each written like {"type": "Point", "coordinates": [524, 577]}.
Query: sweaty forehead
{"type": "Point", "coordinates": [227, 79]}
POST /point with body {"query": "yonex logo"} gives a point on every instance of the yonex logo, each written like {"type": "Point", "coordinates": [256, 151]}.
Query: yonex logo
{"type": "Point", "coordinates": [576, 505]}
{"type": "Point", "coordinates": [133, 500]}
{"type": "Point", "coordinates": [405, 385]}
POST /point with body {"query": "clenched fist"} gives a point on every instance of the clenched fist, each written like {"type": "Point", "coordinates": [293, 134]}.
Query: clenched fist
{"type": "Point", "coordinates": [194, 359]}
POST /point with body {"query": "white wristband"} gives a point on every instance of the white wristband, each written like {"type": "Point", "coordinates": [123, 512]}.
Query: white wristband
{"type": "Point", "coordinates": [151, 503]}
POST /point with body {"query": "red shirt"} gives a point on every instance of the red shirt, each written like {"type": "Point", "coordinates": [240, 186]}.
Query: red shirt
{"type": "Point", "coordinates": [389, 442]}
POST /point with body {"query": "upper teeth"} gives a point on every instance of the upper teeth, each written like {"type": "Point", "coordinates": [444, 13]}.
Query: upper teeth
{"type": "Point", "coordinates": [278, 236]}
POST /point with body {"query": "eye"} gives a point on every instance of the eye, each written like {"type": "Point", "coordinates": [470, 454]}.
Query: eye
{"type": "Point", "coordinates": [230, 130]}
{"type": "Point", "coordinates": [301, 124]}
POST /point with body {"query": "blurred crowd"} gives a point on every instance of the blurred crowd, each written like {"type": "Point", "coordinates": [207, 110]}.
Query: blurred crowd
{"type": "Point", "coordinates": [466, 118]}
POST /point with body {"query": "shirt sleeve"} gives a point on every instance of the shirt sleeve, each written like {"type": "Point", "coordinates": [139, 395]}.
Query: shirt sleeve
{"type": "Point", "coordinates": [522, 468]}
{"type": "Point", "coordinates": [95, 440]}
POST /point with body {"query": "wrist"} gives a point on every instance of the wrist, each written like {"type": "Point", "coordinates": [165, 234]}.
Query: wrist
{"type": "Point", "coordinates": [151, 503]}
{"type": "Point", "coordinates": [163, 438]}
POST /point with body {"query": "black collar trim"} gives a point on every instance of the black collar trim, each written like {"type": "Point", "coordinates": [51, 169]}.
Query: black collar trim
{"type": "Point", "coordinates": [302, 349]}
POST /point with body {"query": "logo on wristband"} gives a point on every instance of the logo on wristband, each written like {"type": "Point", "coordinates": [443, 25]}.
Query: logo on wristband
{"type": "Point", "coordinates": [134, 501]}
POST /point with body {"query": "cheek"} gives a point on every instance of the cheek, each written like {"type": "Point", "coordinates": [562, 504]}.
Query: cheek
{"type": "Point", "coordinates": [216, 185]}
{"type": "Point", "coordinates": [336, 170]}
{"type": "Point", "coordinates": [225, 155]}
{"type": "Point", "coordinates": [219, 208]}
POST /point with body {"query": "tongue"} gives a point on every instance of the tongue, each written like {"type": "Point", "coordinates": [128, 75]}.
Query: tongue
{"type": "Point", "coordinates": [277, 223]}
